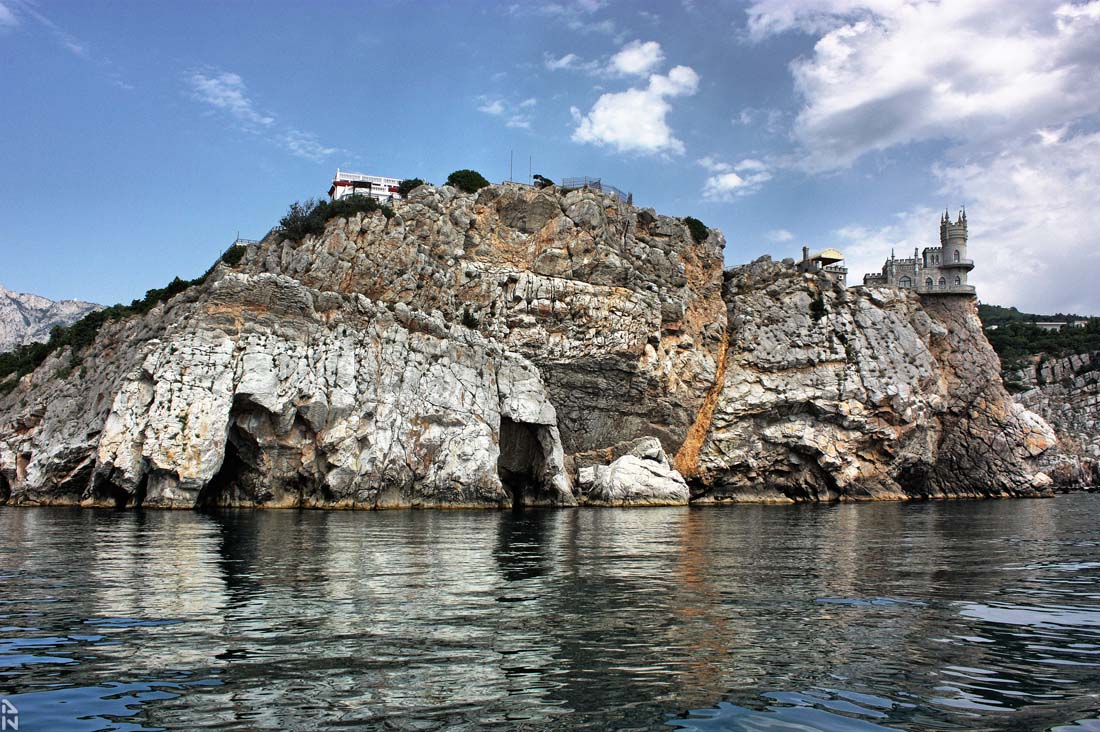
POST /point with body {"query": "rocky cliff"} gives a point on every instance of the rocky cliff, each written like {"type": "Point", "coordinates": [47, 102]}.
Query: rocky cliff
{"type": "Point", "coordinates": [1066, 393]}
{"type": "Point", "coordinates": [518, 346]}
{"type": "Point", "coordinates": [28, 318]}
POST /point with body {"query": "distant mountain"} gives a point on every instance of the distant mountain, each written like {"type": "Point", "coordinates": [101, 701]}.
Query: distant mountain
{"type": "Point", "coordinates": [27, 318]}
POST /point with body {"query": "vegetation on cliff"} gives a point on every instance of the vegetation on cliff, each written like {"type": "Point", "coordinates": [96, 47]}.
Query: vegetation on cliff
{"type": "Point", "coordinates": [697, 228]}
{"type": "Point", "coordinates": [302, 219]}
{"type": "Point", "coordinates": [80, 334]}
{"type": "Point", "coordinates": [469, 181]}
{"type": "Point", "coordinates": [1015, 337]}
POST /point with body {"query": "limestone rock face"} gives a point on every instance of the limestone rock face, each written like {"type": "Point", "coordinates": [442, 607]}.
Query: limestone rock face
{"type": "Point", "coordinates": [831, 393]}
{"type": "Point", "coordinates": [640, 476]}
{"type": "Point", "coordinates": [620, 310]}
{"type": "Point", "coordinates": [518, 347]}
{"type": "Point", "coordinates": [1066, 393]}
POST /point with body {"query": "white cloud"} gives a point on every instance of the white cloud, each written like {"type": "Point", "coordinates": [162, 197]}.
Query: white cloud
{"type": "Point", "coordinates": [637, 58]}
{"type": "Point", "coordinates": [713, 165]}
{"type": "Point", "coordinates": [773, 119]}
{"type": "Point", "coordinates": [635, 120]}
{"type": "Point", "coordinates": [515, 114]}
{"type": "Point", "coordinates": [306, 145]}
{"type": "Point", "coordinates": [226, 90]}
{"type": "Point", "coordinates": [730, 181]}
{"type": "Point", "coordinates": [885, 73]}
{"type": "Point", "coordinates": [576, 15]}
{"type": "Point", "coordinates": [494, 107]}
{"type": "Point", "coordinates": [568, 61]}
{"type": "Point", "coordinates": [779, 236]}
{"type": "Point", "coordinates": [8, 19]}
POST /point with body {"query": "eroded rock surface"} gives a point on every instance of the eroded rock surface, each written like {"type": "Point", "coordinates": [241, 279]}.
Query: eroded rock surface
{"type": "Point", "coordinates": [865, 394]}
{"type": "Point", "coordinates": [523, 347]}
{"type": "Point", "coordinates": [1066, 393]}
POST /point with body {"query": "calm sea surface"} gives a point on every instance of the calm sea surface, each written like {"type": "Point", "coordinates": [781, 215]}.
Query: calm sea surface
{"type": "Point", "coordinates": [931, 616]}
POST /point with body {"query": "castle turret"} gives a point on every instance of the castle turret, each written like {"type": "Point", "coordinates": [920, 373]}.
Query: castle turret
{"type": "Point", "coordinates": [955, 263]}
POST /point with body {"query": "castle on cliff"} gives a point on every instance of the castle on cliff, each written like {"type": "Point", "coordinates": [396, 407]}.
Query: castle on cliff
{"type": "Point", "coordinates": [938, 270]}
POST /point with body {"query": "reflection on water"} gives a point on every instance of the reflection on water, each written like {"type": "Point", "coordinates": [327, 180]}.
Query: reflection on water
{"type": "Point", "coordinates": [938, 616]}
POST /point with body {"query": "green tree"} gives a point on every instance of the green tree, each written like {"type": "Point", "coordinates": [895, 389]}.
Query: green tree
{"type": "Point", "coordinates": [697, 228]}
{"type": "Point", "coordinates": [407, 186]}
{"type": "Point", "coordinates": [470, 181]}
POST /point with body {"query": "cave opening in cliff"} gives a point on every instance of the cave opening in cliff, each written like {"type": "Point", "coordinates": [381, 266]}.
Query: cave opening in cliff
{"type": "Point", "coordinates": [521, 463]}
{"type": "Point", "coordinates": [231, 478]}
{"type": "Point", "coordinates": [106, 490]}
{"type": "Point", "coordinates": [5, 489]}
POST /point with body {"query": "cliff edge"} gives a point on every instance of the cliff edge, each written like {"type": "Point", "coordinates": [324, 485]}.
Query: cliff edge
{"type": "Point", "coordinates": [518, 346]}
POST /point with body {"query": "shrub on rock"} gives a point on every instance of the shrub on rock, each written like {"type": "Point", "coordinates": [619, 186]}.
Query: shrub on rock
{"type": "Point", "coordinates": [469, 181]}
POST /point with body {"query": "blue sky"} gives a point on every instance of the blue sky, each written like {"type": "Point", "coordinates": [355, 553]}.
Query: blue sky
{"type": "Point", "coordinates": [137, 138]}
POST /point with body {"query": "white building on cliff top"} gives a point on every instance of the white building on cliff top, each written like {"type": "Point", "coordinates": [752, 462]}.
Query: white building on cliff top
{"type": "Point", "coordinates": [938, 270]}
{"type": "Point", "coordinates": [378, 187]}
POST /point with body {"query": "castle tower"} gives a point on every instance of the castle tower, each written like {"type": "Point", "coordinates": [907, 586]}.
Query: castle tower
{"type": "Point", "coordinates": [954, 264]}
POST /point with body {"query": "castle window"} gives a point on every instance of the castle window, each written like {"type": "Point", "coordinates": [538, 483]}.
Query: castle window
{"type": "Point", "coordinates": [958, 281]}
{"type": "Point", "coordinates": [905, 282]}
{"type": "Point", "coordinates": [956, 255]}
{"type": "Point", "coordinates": [928, 283]}
{"type": "Point", "coordinates": [943, 283]}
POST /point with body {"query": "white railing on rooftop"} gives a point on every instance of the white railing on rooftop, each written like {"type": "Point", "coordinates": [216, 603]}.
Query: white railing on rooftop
{"type": "Point", "coordinates": [361, 178]}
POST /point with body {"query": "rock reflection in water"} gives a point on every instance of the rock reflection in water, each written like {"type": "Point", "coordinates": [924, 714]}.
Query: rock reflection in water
{"type": "Point", "coordinates": [860, 617]}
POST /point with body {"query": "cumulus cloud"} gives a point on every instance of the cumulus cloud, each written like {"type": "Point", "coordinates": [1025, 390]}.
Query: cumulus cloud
{"type": "Point", "coordinates": [779, 236]}
{"type": "Point", "coordinates": [637, 58]}
{"type": "Point", "coordinates": [1008, 89]}
{"type": "Point", "coordinates": [635, 120]}
{"type": "Point", "coordinates": [890, 72]}
{"type": "Point", "coordinates": [731, 180]}
{"type": "Point", "coordinates": [1033, 221]}
{"type": "Point", "coordinates": [226, 92]}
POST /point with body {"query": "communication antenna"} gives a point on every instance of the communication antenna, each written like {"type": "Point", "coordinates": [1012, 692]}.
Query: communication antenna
{"type": "Point", "coordinates": [530, 180]}
{"type": "Point", "coordinates": [509, 166]}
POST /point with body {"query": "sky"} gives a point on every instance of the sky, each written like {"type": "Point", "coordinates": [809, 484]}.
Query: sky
{"type": "Point", "coordinates": [137, 138]}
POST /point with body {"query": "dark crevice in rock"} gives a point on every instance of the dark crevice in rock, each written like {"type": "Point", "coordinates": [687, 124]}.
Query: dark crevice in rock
{"type": "Point", "coordinates": [5, 489]}
{"type": "Point", "coordinates": [141, 490]}
{"type": "Point", "coordinates": [521, 465]}
{"type": "Point", "coordinates": [236, 479]}
{"type": "Point", "coordinates": [106, 490]}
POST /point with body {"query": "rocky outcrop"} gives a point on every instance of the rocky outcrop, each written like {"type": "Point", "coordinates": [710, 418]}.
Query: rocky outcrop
{"type": "Point", "coordinates": [637, 473]}
{"type": "Point", "coordinates": [29, 318]}
{"type": "Point", "coordinates": [517, 347]}
{"type": "Point", "coordinates": [1066, 393]}
{"type": "Point", "coordinates": [832, 393]}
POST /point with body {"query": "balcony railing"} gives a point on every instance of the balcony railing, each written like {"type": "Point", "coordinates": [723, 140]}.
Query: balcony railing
{"type": "Point", "coordinates": [948, 290]}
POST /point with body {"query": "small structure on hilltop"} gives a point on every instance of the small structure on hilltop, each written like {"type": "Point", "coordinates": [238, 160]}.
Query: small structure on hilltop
{"type": "Point", "coordinates": [597, 184]}
{"type": "Point", "coordinates": [378, 187]}
{"type": "Point", "coordinates": [826, 261]}
{"type": "Point", "coordinates": [938, 270]}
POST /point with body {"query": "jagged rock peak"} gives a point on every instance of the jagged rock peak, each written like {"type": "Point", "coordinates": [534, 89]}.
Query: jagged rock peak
{"type": "Point", "coordinates": [26, 318]}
